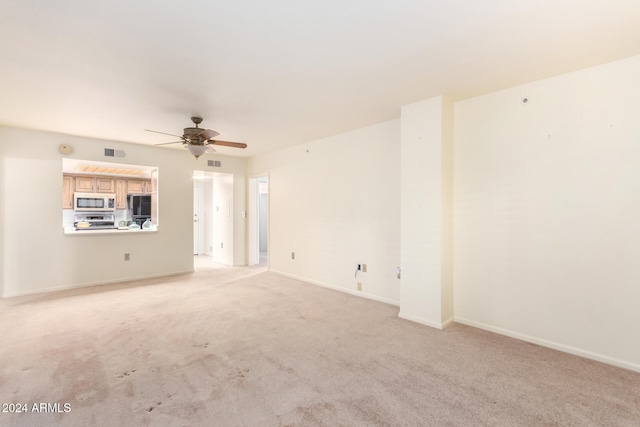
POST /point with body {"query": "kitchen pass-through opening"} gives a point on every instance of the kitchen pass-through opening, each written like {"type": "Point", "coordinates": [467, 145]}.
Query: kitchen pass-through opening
{"type": "Point", "coordinates": [108, 197]}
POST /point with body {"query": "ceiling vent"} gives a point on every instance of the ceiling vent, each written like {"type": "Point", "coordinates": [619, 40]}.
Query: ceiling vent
{"type": "Point", "coordinates": [214, 163]}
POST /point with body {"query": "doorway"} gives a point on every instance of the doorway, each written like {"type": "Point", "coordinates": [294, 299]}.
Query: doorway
{"type": "Point", "coordinates": [259, 220]}
{"type": "Point", "coordinates": [197, 213]}
{"type": "Point", "coordinates": [213, 218]}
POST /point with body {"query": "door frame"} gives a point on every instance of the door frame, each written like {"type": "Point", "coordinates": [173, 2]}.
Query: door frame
{"type": "Point", "coordinates": [253, 235]}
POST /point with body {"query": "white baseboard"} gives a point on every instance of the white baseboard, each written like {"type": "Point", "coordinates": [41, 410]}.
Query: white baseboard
{"type": "Point", "coordinates": [88, 284]}
{"type": "Point", "coordinates": [426, 322]}
{"type": "Point", "coordinates": [554, 345]}
{"type": "Point", "coordinates": [338, 288]}
{"type": "Point", "coordinates": [448, 322]}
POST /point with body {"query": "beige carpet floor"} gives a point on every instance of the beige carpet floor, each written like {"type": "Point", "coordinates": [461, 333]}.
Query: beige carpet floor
{"type": "Point", "coordinates": [245, 347]}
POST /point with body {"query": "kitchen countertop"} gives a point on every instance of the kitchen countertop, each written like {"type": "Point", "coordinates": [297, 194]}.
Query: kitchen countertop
{"type": "Point", "coordinates": [73, 232]}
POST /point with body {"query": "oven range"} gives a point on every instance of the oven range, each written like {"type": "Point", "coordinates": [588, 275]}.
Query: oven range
{"type": "Point", "coordinates": [94, 221]}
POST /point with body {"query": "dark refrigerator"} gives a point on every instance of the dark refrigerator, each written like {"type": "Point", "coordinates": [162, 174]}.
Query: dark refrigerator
{"type": "Point", "coordinates": [140, 206]}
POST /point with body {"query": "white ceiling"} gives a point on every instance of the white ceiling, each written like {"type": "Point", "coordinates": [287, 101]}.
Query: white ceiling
{"type": "Point", "coordinates": [278, 73]}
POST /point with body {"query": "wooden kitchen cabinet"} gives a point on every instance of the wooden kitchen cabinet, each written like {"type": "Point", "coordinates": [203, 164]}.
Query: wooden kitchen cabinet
{"type": "Point", "coordinates": [92, 184]}
{"type": "Point", "coordinates": [85, 184]}
{"type": "Point", "coordinates": [121, 194]}
{"type": "Point", "coordinates": [105, 185]}
{"type": "Point", "coordinates": [68, 186]}
{"type": "Point", "coordinates": [101, 184]}
{"type": "Point", "coordinates": [139, 186]}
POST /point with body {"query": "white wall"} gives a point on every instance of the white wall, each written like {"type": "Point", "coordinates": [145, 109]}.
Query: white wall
{"type": "Point", "coordinates": [547, 212]}
{"type": "Point", "coordinates": [426, 193]}
{"type": "Point", "coordinates": [198, 211]}
{"type": "Point", "coordinates": [2, 225]}
{"type": "Point", "coordinates": [37, 257]}
{"type": "Point", "coordinates": [223, 219]}
{"type": "Point", "coordinates": [336, 203]}
{"type": "Point", "coordinates": [239, 211]}
{"type": "Point", "coordinates": [263, 214]}
{"type": "Point", "coordinates": [207, 219]}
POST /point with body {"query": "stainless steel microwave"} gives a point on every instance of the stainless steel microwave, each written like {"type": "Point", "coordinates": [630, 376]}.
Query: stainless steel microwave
{"type": "Point", "coordinates": [92, 202]}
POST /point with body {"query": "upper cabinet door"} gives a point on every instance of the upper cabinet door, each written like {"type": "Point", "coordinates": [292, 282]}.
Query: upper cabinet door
{"type": "Point", "coordinates": [85, 184]}
{"type": "Point", "coordinates": [105, 185]}
{"type": "Point", "coordinates": [121, 193]}
{"type": "Point", "coordinates": [92, 184]}
{"type": "Point", "coordinates": [139, 186]}
{"type": "Point", "coordinates": [67, 192]}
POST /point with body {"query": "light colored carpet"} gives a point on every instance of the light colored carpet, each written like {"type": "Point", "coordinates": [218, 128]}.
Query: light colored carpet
{"type": "Point", "coordinates": [245, 347]}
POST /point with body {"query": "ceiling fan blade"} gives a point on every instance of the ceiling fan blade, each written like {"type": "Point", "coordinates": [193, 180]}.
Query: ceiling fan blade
{"type": "Point", "coordinates": [208, 134]}
{"type": "Point", "coordinates": [174, 142]}
{"type": "Point", "coordinates": [228, 143]}
{"type": "Point", "coordinates": [164, 133]}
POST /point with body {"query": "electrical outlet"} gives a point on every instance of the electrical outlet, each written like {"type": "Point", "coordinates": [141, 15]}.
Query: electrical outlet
{"type": "Point", "coordinates": [359, 286]}
{"type": "Point", "coordinates": [293, 255]}
{"type": "Point", "coordinates": [364, 268]}
{"type": "Point", "coordinates": [221, 245]}
{"type": "Point", "coordinates": [127, 257]}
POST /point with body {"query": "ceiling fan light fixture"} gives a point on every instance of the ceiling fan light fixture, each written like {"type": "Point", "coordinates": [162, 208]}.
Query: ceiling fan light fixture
{"type": "Point", "coordinates": [197, 150]}
{"type": "Point", "coordinates": [198, 141]}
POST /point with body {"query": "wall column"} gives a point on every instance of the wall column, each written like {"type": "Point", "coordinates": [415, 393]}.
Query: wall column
{"type": "Point", "coordinates": [426, 224]}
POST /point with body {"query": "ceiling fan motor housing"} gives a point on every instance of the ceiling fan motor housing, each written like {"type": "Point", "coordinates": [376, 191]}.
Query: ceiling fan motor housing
{"type": "Point", "coordinates": [192, 135]}
{"type": "Point", "coordinates": [198, 140]}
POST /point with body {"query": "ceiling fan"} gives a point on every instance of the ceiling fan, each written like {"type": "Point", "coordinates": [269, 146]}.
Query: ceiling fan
{"type": "Point", "coordinates": [198, 140]}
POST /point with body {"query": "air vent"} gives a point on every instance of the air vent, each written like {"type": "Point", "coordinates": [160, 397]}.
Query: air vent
{"type": "Point", "coordinates": [214, 163]}
{"type": "Point", "coordinates": [110, 152]}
